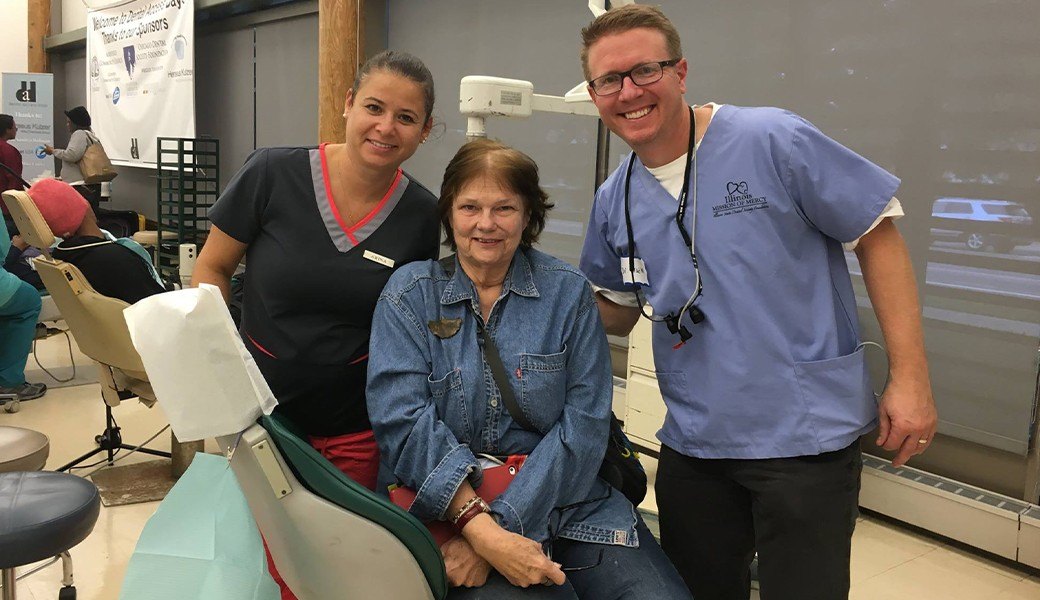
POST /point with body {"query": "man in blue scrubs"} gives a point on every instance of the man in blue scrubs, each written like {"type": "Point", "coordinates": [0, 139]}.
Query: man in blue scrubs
{"type": "Point", "coordinates": [738, 244]}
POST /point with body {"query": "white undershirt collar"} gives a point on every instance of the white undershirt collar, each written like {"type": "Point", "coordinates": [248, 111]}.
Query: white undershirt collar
{"type": "Point", "coordinates": [671, 175]}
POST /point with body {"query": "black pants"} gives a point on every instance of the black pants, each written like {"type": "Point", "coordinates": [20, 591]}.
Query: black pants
{"type": "Point", "coordinates": [798, 513]}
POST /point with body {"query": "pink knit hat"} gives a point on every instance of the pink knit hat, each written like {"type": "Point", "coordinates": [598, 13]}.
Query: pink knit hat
{"type": "Point", "coordinates": [62, 207]}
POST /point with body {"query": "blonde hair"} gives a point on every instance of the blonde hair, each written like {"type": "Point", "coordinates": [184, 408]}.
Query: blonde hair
{"type": "Point", "coordinates": [625, 18]}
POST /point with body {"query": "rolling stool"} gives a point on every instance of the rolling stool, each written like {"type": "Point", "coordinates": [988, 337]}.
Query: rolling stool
{"type": "Point", "coordinates": [27, 450]}
{"type": "Point", "coordinates": [9, 402]}
{"type": "Point", "coordinates": [44, 514]}
{"type": "Point", "coordinates": [22, 449]}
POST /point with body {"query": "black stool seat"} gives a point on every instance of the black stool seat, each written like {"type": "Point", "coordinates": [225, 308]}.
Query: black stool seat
{"type": "Point", "coordinates": [43, 514]}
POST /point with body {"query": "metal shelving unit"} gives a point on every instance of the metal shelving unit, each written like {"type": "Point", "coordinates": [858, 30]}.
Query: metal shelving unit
{"type": "Point", "coordinates": [187, 185]}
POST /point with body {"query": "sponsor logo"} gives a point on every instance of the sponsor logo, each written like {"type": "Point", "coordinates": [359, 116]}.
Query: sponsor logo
{"type": "Point", "coordinates": [135, 153]}
{"type": "Point", "coordinates": [115, 95]}
{"type": "Point", "coordinates": [26, 93]}
{"type": "Point", "coordinates": [130, 60]}
{"type": "Point", "coordinates": [738, 199]}
{"type": "Point", "coordinates": [180, 46]}
{"type": "Point", "coordinates": [39, 152]}
{"type": "Point", "coordinates": [95, 68]}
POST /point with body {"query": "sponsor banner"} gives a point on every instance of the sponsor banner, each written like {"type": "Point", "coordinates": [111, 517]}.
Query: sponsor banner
{"type": "Point", "coordinates": [29, 98]}
{"type": "Point", "coordinates": [141, 76]}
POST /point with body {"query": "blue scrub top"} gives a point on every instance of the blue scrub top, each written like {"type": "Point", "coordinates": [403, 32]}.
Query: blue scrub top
{"type": "Point", "coordinates": [774, 370]}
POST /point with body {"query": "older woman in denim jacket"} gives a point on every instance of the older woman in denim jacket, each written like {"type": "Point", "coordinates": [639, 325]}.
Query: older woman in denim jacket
{"type": "Point", "coordinates": [435, 406]}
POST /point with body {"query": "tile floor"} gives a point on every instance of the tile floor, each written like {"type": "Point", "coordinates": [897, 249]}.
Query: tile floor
{"type": "Point", "coordinates": [888, 562]}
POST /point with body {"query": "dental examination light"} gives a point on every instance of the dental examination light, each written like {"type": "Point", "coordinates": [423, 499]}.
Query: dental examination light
{"type": "Point", "coordinates": [481, 97]}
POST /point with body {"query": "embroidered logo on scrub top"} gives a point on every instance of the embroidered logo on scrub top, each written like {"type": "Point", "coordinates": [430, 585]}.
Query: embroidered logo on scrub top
{"type": "Point", "coordinates": [738, 199]}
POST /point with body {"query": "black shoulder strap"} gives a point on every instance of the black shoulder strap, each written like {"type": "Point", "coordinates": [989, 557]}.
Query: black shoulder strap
{"type": "Point", "coordinates": [25, 184]}
{"type": "Point", "coordinates": [494, 360]}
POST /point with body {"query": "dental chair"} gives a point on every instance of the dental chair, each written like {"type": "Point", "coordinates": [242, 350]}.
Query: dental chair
{"type": "Point", "coordinates": [97, 323]}
{"type": "Point", "coordinates": [49, 310]}
{"type": "Point", "coordinates": [329, 536]}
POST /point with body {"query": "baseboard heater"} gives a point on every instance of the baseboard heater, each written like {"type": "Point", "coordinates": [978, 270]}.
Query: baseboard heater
{"type": "Point", "coordinates": [997, 524]}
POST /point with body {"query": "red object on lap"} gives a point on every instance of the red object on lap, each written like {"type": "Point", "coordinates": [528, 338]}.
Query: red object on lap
{"type": "Point", "coordinates": [496, 480]}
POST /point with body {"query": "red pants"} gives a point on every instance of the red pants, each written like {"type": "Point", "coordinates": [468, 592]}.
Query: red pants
{"type": "Point", "coordinates": [357, 455]}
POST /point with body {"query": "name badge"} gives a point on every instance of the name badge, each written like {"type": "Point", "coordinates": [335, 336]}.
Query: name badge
{"type": "Point", "coordinates": [640, 271]}
{"type": "Point", "coordinates": [378, 258]}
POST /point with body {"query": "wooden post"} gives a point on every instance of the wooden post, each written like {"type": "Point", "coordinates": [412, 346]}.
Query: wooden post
{"type": "Point", "coordinates": [339, 55]}
{"type": "Point", "coordinates": [39, 28]}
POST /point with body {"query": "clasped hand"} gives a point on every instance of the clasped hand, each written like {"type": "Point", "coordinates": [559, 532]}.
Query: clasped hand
{"type": "Point", "coordinates": [468, 559]}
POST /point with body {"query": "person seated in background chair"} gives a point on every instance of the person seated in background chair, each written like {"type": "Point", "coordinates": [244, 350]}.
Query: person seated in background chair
{"type": "Point", "coordinates": [17, 262]}
{"type": "Point", "coordinates": [118, 268]}
{"type": "Point", "coordinates": [19, 308]}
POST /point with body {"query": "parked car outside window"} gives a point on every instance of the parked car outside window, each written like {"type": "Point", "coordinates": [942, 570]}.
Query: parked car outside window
{"type": "Point", "coordinates": [981, 225]}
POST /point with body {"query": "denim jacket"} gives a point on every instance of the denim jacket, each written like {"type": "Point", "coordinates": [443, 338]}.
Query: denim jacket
{"type": "Point", "coordinates": [434, 405]}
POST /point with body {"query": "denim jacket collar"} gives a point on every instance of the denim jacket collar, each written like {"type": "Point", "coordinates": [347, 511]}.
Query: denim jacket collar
{"type": "Point", "coordinates": [520, 281]}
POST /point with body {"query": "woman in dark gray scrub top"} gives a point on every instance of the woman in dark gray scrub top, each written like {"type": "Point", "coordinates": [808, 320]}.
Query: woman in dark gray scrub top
{"type": "Point", "coordinates": [322, 230]}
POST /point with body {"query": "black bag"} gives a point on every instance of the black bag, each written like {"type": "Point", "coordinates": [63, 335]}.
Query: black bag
{"type": "Point", "coordinates": [621, 467]}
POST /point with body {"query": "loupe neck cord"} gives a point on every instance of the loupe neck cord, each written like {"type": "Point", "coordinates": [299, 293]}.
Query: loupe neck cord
{"type": "Point", "coordinates": [689, 175]}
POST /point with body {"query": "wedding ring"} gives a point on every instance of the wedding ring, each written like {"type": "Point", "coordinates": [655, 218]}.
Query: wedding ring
{"type": "Point", "coordinates": [922, 441]}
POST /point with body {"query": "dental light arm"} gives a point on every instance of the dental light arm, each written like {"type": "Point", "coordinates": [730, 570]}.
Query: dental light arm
{"type": "Point", "coordinates": [481, 97]}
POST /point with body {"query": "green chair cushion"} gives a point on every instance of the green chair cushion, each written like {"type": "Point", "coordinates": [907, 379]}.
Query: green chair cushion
{"type": "Point", "coordinates": [322, 478]}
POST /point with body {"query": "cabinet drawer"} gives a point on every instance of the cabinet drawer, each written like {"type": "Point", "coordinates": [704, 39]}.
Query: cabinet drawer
{"type": "Point", "coordinates": [643, 428]}
{"type": "Point", "coordinates": [645, 412]}
{"type": "Point", "coordinates": [640, 346]}
{"type": "Point", "coordinates": [643, 395]}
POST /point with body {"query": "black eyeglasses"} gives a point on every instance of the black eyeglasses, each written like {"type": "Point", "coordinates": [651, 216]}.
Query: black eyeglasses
{"type": "Point", "coordinates": [554, 533]}
{"type": "Point", "coordinates": [643, 74]}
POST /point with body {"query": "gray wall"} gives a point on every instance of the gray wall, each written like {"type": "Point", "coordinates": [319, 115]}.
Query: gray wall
{"type": "Point", "coordinates": [287, 82]}
{"type": "Point", "coordinates": [224, 96]}
{"type": "Point", "coordinates": [940, 92]}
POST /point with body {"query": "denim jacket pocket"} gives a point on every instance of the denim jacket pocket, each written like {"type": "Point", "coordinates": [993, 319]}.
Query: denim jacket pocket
{"type": "Point", "coordinates": [450, 400]}
{"type": "Point", "coordinates": [837, 393]}
{"type": "Point", "coordinates": [543, 387]}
